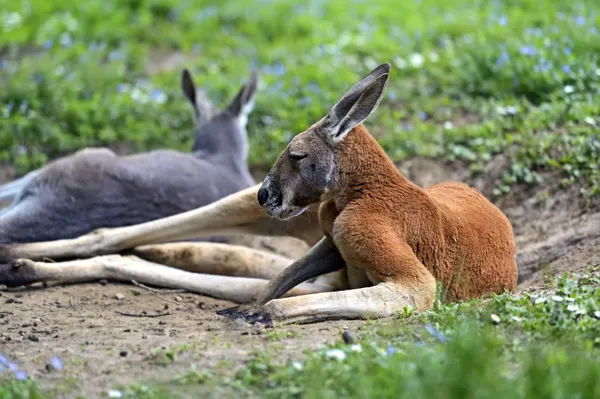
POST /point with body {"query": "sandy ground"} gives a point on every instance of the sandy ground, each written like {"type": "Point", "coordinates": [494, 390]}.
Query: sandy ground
{"type": "Point", "coordinates": [556, 231]}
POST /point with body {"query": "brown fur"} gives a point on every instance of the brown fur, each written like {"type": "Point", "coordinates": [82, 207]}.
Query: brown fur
{"type": "Point", "coordinates": [449, 230]}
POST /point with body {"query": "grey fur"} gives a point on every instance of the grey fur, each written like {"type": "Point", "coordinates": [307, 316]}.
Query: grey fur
{"type": "Point", "coordinates": [95, 188]}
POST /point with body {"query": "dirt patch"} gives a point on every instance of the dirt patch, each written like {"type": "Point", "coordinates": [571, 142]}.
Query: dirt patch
{"type": "Point", "coordinates": [555, 228]}
{"type": "Point", "coordinates": [93, 328]}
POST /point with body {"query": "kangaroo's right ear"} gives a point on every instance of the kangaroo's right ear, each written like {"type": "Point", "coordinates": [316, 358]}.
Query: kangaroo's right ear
{"type": "Point", "coordinates": [202, 105]}
{"type": "Point", "coordinates": [358, 103]}
{"type": "Point", "coordinates": [242, 104]}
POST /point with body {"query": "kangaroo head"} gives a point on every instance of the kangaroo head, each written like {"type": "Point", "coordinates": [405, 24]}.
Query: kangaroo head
{"type": "Point", "coordinates": [309, 166]}
{"type": "Point", "coordinates": [224, 131]}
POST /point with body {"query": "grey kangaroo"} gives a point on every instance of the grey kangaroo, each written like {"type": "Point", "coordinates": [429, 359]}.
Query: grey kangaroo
{"type": "Point", "coordinates": [95, 188]}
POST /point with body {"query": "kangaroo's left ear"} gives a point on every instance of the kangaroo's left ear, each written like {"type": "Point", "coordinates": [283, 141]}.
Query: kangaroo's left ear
{"type": "Point", "coordinates": [358, 103]}
{"type": "Point", "coordinates": [242, 104]}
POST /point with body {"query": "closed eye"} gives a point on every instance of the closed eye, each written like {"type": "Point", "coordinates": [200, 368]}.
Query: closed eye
{"type": "Point", "coordinates": [297, 157]}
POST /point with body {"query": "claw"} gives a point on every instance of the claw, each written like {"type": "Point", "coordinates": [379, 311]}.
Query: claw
{"type": "Point", "coordinates": [249, 314]}
{"type": "Point", "coordinates": [233, 312]}
{"type": "Point", "coordinates": [17, 273]}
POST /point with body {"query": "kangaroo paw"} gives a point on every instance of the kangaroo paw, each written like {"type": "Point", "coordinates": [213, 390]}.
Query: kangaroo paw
{"type": "Point", "coordinates": [18, 273]}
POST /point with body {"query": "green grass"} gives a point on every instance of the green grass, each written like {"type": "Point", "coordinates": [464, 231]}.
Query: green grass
{"type": "Point", "coordinates": [15, 389]}
{"type": "Point", "coordinates": [528, 346]}
{"type": "Point", "coordinates": [470, 78]}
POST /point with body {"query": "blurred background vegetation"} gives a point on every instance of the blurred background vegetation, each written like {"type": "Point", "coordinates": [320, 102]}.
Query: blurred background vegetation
{"type": "Point", "coordinates": [470, 78]}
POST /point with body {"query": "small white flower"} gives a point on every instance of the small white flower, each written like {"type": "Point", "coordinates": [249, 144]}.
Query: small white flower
{"type": "Point", "coordinates": [356, 348]}
{"type": "Point", "coordinates": [597, 314]}
{"type": "Point", "coordinates": [371, 63]}
{"type": "Point", "coordinates": [581, 311]}
{"type": "Point", "coordinates": [590, 121]}
{"type": "Point", "coordinates": [557, 298]}
{"type": "Point", "coordinates": [336, 354]}
{"type": "Point", "coordinates": [598, 71]}
{"type": "Point", "coordinates": [416, 60]}
{"type": "Point", "coordinates": [60, 70]}
{"type": "Point", "coordinates": [400, 63]}
{"type": "Point", "coordinates": [139, 96]}
{"type": "Point", "coordinates": [501, 110]}
{"type": "Point", "coordinates": [569, 89]}
{"type": "Point", "coordinates": [11, 21]}
{"type": "Point", "coordinates": [298, 366]}
{"type": "Point", "coordinates": [495, 318]}
{"type": "Point", "coordinates": [516, 318]}
{"type": "Point", "coordinates": [540, 300]}
{"type": "Point", "coordinates": [569, 299]}
{"type": "Point", "coordinates": [113, 393]}
{"type": "Point", "coordinates": [448, 125]}
{"type": "Point", "coordinates": [572, 308]}
{"type": "Point", "coordinates": [511, 110]}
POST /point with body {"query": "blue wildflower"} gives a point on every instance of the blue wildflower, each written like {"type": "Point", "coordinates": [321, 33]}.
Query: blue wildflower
{"type": "Point", "coordinates": [423, 115]}
{"type": "Point", "coordinates": [502, 21]}
{"type": "Point", "coordinates": [504, 57]}
{"type": "Point", "coordinates": [315, 88]}
{"type": "Point", "coordinates": [122, 87]}
{"type": "Point", "coordinates": [527, 50]}
{"type": "Point", "coordinates": [158, 96]}
{"type": "Point", "coordinates": [20, 375]}
{"type": "Point", "coordinates": [594, 30]}
{"type": "Point", "coordinates": [566, 69]}
{"type": "Point", "coordinates": [390, 350]}
{"type": "Point", "coordinates": [56, 362]}
{"type": "Point", "coordinates": [95, 46]}
{"type": "Point", "coordinates": [561, 15]}
{"type": "Point", "coordinates": [567, 50]}
{"type": "Point", "coordinates": [279, 69]}
{"type": "Point", "coordinates": [435, 333]}
{"type": "Point", "coordinates": [409, 126]}
{"type": "Point", "coordinates": [206, 13]}
{"type": "Point", "coordinates": [48, 44]}
{"type": "Point", "coordinates": [580, 20]}
{"type": "Point", "coordinates": [12, 367]}
{"type": "Point", "coordinates": [4, 359]}
{"type": "Point", "coordinates": [3, 64]}
{"type": "Point", "coordinates": [115, 55]}
{"type": "Point", "coordinates": [66, 40]}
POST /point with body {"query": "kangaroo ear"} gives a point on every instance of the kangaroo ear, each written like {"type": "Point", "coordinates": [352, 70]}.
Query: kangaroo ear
{"type": "Point", "coordinates": [358, 103]}
{"type": "Point", "coordinates": [203, 107]}
{"type": "Point", "coordinates": [242, 104]}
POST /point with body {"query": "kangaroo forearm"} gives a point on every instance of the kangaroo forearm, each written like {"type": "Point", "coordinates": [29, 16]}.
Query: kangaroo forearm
{"type": "Point", "coordinates": [321, 259]}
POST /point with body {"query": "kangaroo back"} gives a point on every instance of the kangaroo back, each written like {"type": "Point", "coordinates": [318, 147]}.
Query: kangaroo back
{"type": "Point", "coordinates": [95, 188]}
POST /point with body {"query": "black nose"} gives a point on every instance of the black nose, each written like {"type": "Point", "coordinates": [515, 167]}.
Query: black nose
{"type": "Point", "coordinates": [263, 195]}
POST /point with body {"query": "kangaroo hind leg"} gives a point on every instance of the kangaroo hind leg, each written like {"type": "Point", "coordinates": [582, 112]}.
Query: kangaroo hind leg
{"type": "Point", "coordinates": [128, 268]}
{"type": "Point", "coordinates": [400, 280]}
